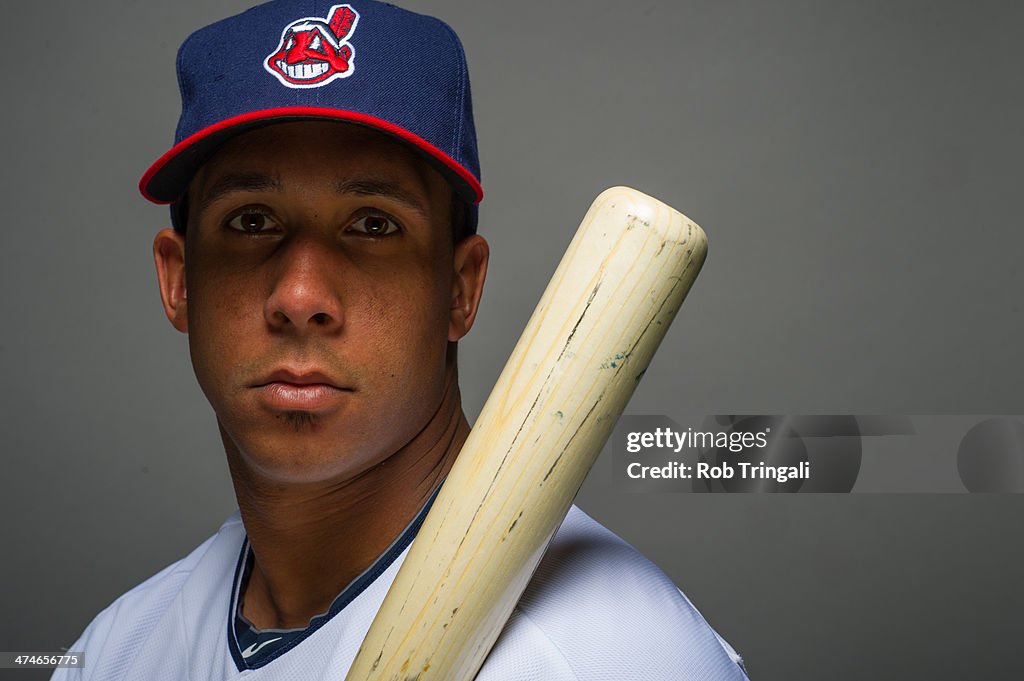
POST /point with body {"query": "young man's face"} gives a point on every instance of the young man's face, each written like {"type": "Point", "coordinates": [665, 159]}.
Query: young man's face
{"type": "Point", "coordinates": [320, 292]}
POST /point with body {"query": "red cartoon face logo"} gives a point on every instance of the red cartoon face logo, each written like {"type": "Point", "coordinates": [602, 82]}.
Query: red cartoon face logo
{"type": "Point", "coordinates": [315, 51]}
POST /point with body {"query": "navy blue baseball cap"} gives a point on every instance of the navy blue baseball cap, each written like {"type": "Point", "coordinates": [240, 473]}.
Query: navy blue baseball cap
{"type": "Point", "coordinates": [361, 62]}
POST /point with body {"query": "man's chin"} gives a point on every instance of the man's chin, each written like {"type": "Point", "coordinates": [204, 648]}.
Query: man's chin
{"type": "Point", "coordinates": [299, 447]}
{"type": "Point", "coordinates": [301, 421]}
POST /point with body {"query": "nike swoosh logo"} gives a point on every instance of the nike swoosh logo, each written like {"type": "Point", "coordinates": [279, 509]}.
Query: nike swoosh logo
{"type": "Point", "coordinates": [255, 648]}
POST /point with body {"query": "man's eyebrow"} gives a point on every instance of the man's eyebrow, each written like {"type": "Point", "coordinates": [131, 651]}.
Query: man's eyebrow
{"type": "Point", "coordinates": [238, 182]}
{"type": "Point", "coordinates": [386, 189]}
{"type": "Point", "coordinates": [258, 182]}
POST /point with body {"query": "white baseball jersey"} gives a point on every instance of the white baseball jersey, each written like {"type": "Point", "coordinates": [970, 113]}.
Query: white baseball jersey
{"type": "Point", "coordinates": [595, 610]}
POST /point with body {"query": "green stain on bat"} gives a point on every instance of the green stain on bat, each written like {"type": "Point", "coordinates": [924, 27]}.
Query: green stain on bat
{"type": "Point", "coordinates": [614, 361]}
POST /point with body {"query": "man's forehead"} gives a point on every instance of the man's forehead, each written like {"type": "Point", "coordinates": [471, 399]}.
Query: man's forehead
{"type": "Point", "coordinates": [288, 156]}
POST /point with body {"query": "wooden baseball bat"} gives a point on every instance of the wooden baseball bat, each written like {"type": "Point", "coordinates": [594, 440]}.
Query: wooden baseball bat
{"type": "Point", "coordinates": [604, 313]}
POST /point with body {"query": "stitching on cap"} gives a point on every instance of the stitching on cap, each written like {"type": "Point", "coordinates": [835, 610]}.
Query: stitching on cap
{"type": "Point", "coordinates": [457, 136]}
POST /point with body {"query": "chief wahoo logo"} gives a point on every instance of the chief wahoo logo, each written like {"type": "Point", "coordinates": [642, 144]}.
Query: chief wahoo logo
{"type": "Point", "coordinates": [314, 51]}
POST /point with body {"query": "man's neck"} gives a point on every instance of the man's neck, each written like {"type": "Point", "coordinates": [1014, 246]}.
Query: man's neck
{"type": "Point", "coordinates": [310, 541]}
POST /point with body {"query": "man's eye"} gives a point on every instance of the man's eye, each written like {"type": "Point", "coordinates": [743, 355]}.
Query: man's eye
{"type": "Point", "coordinates": [252, 222]}
{"type": "Point", "coordinates": [375, 225]}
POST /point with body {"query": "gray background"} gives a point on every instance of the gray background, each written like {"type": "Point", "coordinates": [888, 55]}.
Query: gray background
{"type": "Point", "coordinates": [856, 166]}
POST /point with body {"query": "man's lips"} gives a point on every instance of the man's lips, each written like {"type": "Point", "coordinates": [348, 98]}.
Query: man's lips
{"type": "Point", "coordinates": [295, 377]}
{"type": "Point", "coordinates": [287, 390]}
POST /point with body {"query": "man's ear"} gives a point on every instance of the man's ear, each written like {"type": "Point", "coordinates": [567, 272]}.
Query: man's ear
{"type": "Point", "coordinates": [470, 264]}
{"type": "Point", "coordinates": [169, 255]}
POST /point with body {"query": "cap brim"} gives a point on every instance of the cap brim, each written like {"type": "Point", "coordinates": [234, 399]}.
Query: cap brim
{"type": "Point", "coordinates": [167, 179]}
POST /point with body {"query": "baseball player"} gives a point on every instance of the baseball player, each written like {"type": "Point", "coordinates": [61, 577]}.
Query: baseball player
{"type": "Point", "coordinates": [324, 263]}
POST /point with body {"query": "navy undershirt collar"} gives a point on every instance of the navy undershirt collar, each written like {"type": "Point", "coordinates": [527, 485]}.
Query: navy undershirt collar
{"type": "Point", "coordinates": [252, 648]}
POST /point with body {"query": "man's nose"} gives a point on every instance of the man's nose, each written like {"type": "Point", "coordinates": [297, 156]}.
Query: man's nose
{"type": "Point", "coordinates": [306, 294]}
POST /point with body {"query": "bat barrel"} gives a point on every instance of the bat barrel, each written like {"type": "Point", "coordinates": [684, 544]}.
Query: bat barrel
{"type": "Point", "coordinates": [583, 352]}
